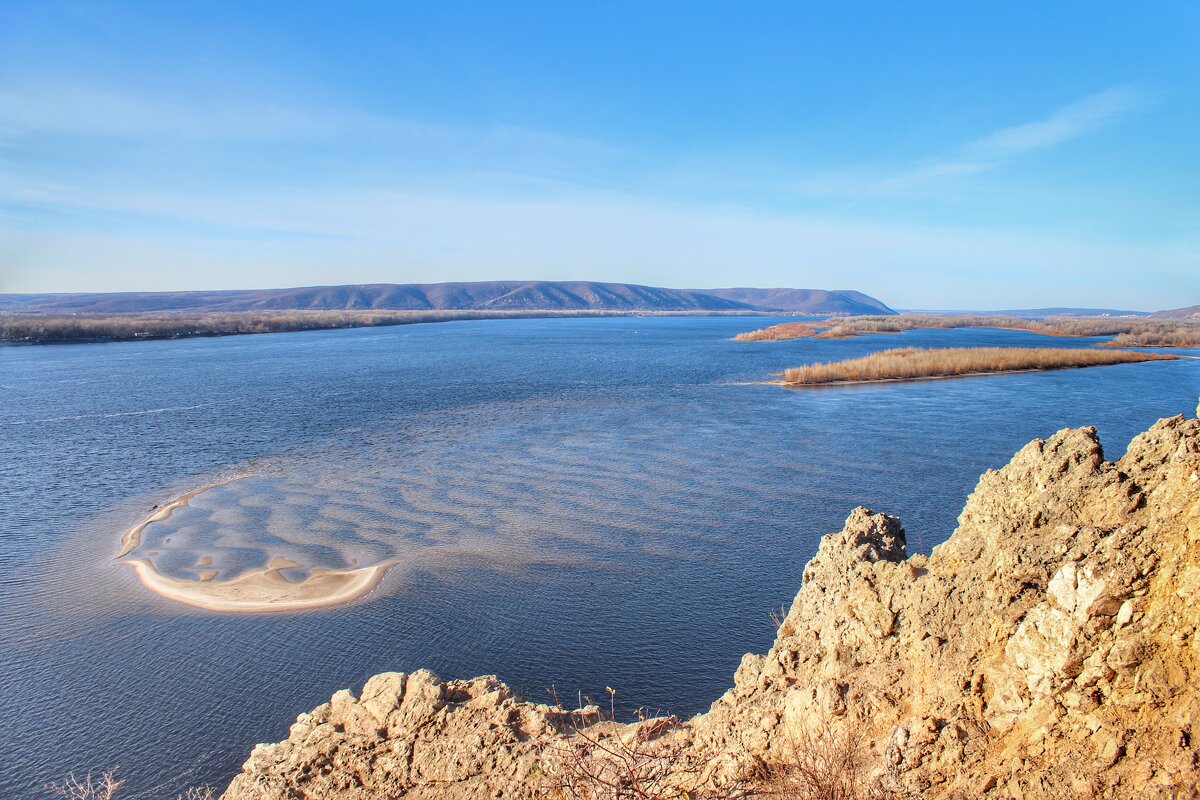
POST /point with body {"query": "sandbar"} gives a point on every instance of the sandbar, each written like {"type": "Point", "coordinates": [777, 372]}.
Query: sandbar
{"type": "Point", "coordinates": [133, 537]}
{"type": "Point", "coordinates": [266, 589]}
{"type": "Point", "coordinates": [258, 591]}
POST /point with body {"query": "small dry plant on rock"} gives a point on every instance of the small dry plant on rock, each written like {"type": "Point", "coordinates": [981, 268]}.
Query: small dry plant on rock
{"type": "Point", "coordinates": [106, 786]}
{"type": "Point", "coordinates": [779, 618]}
{"type": "Point", "coordinates": [102, 787]}
{"type": "Point", "coordinates": [821, 763]}
{"type": "Point", "coordinates": [197, 793]}
{"type": "Point", "coordinates": [650, 759]}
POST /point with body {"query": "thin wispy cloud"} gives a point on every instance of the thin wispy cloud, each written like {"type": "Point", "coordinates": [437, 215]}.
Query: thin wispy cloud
{"type": "Point", "coordinates": [932, 172]}
{"type": "Point", "coordinates": [72, 110]}
{"type": "Point", "coordinates": [1069, 122]}
{"type": "Point", "coordinates": [87, 112]}
{"type": "Point", "coordinates": [990, 151]}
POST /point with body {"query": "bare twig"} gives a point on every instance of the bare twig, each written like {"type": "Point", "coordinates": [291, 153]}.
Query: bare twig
{"type": "Point", "coordinates": [101, 787]}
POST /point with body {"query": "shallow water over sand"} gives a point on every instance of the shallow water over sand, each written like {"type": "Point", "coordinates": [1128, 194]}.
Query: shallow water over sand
{"type": "Point", "coordinates": [571, 502]}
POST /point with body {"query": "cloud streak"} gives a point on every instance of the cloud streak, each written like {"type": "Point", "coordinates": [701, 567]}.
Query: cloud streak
{"type": "Point", "coordinates": [31, 111]}
{"type": "Point", "coordinates": [1069, 122]}
{"type": "Point", "coordinates": [988, 152]}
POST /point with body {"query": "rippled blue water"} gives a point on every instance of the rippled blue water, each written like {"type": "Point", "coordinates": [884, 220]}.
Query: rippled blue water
{"type": "Point", "coordinates": [577, 503]}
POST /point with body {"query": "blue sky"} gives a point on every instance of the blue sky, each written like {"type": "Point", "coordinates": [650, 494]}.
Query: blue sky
{"type": "Point", "coordinates": [936, 155]}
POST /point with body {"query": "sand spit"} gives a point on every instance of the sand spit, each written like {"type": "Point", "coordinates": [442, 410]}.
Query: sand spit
{"type": "Point", "coordinates": [255, 592]}
{"type": "Point", "coordinates": [266, 589]}
{"type": "Point", "coordinates": [133, 537]}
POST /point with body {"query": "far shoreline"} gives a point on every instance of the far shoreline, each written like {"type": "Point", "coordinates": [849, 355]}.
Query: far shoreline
{"type": "Point", "coordinates": [44, 329]}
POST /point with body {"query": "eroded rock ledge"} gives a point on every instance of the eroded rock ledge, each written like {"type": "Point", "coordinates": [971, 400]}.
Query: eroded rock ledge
{"type": "Point", "coordinates": [1049, 649]}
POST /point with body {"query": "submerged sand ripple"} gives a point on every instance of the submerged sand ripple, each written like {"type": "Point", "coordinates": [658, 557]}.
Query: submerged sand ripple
{"type": "Point", "coordinates": [254, 591]}
{"type": "Point", "coordinates": [598, 485]}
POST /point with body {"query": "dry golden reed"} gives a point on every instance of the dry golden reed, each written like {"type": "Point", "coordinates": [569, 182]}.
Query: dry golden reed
{"type": "Point", "coordinates": [782, 331]}
{"type": "Point", "coordinates": [911, 363]}
{"type": "Point", "coordinates": [1128, 332]}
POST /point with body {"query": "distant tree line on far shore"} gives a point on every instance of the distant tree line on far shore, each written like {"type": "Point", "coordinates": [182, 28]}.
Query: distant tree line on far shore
{"type": "Point", "coordinates": [66, 328]}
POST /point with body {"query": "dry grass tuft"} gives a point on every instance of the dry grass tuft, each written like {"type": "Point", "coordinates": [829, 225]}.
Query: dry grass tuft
{"type": "Point", "coordinates": [913, 363]}
{"type": "Point", "coordinates": [649, 760]}
{"type": "Point", "coordinates": [779, 619]}
{"type": "Point", "coordinates": [826, 763]}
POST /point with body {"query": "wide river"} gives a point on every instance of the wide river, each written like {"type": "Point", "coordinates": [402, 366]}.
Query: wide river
{"type": "Point", "coordinates": [575, 503]}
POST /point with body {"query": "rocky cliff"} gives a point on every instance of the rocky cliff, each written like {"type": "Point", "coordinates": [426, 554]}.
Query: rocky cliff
{"type": "Point", "coordinates": [1048, 649]}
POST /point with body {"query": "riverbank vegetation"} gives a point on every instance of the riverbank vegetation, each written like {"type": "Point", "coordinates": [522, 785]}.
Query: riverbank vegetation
{"type": "Point", "coordinates": [782, 331]}
{"type": "Point", "coordinates": [67, 328]}
{"type": "Point", "coordinates": [1130, 332]}
{"type": "Point", "coordinates": [910, 363]}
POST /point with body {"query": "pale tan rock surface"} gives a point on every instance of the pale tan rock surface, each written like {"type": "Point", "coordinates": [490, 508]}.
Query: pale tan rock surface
{"type": "Point", "coordinates": [1048, 649]}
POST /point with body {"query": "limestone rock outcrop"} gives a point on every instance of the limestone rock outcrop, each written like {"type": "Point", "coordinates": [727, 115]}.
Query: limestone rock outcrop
{"type": "Point", "coordinates": [1048, 649]}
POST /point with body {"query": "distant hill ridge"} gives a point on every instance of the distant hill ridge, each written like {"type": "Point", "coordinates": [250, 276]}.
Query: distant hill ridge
{"type": "Point", "coordinates": [1190, 312]}
{"type": "Point", "coordinates": [1031, 313]}
{"type": "Point", "coordinates": [839, 301]}
{"type": "Point", "coordinates": [483, 295]}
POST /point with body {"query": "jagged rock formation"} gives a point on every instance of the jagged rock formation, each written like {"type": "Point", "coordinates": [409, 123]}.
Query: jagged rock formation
{"type": "Point", "coordinates": [1048, 649]}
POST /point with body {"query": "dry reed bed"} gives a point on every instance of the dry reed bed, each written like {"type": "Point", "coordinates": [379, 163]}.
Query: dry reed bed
{"type": "Point", "coordinates": [782, 331]}
{"type": "Point", "coordinates": [1188, 336]}
{"type": "Point", "coordinates": [911, 363]}
{"type": "Point", "coordinates": [1128, 332]}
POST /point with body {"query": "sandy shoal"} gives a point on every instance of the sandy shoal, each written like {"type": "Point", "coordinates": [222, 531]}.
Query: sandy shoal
{"type": "Point", "coordinates": [258, 591]}
{"type": "Point", "coordinates": [133, 537]}
{"type": "Point", "coordinates": [264, 590]}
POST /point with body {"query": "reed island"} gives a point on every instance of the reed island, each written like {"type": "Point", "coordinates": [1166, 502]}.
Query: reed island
{"type": "Point", "coordinates": [911, 363]}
